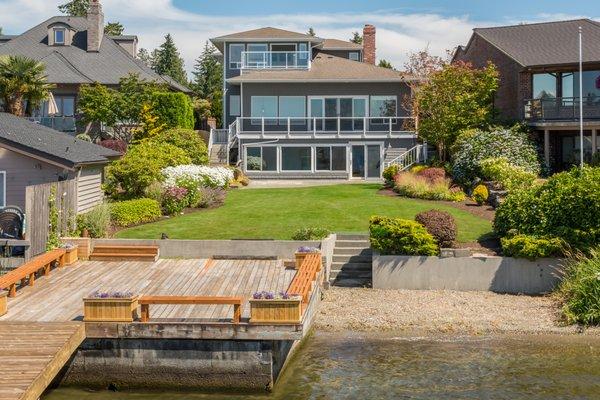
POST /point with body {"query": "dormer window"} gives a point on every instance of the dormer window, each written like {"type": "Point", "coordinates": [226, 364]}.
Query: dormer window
{"type": "Point", "coordinates": [354, 55]}
{"type": "Point", "coordinates": [59, 36]}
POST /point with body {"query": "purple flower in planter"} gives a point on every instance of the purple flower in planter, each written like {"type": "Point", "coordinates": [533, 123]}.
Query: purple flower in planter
{"type": "Point", "coordinates": [111, 295]}
{"type": "Point", "coordinates": [307, 249]}
{"type": "Point", "coordinates": [284, 296]}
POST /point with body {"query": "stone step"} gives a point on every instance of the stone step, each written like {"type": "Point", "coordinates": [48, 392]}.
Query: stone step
{"type": "Point", "coordinates": [352, 282]}
{"type": "Point", "coordinates": [352, 258]}
{"type": "Point", "coordinates": [352, 243]}
{"type": "Point", "coordinates": [365, 251]}
{"type": "Point", "coordinates": [352, 236]}
{"type": "Point", "coordinates": [351, 266]}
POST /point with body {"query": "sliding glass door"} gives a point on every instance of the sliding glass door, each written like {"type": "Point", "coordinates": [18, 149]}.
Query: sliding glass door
{"type": "Point", "coordinates": [349, 110]}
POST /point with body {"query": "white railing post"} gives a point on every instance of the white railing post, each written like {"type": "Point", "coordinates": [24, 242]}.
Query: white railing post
{"type": "Point", "coordinates": [262, 127]}
{"type": "Point", "coordinates": [338, 126]}
{"type": "Point", "coordinates": [288, 126]}
{"type": "Point", "coordinates": [314, 127]}
{"type": "Point", "coordinates": [365, 126]}
{"type": "Point", "coordinates": [390, 133]}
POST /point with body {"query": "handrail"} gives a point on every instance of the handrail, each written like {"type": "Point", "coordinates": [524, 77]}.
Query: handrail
{"type": "Point", "coordinates": [561, 108]}
{"type": "Point", "coordinates": [408, 158]}
{"type": "Point", "coordinates": [274, 59]}
{"type": "Point", "coordinates": [210, 140]}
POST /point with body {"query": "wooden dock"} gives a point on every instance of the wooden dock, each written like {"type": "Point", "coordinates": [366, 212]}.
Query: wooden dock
{"type": "Point", "coordinates": [33, 353]}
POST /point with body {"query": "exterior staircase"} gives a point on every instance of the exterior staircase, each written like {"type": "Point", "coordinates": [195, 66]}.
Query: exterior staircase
{"type": "Point", "coordinates": [352, 265]}
{"type": "Point", "coordinates": [218, 154]}
{"type": "Point", "coordinates": [124, 253]}
{"type": "Point", "coordinates": [392, 153]}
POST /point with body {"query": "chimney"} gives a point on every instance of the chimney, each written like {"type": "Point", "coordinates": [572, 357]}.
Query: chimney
{"type": "Point", "coordinates": [95, 31]}
{"type": "Point", "coordinates": [369, 48]}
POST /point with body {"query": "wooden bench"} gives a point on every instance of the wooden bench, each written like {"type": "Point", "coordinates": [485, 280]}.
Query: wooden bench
{"type": "Point", "coordinates": [302, 283]}
{"type": "Point", "coordinates": [28, 270]}
{"type": "Point", "coordinates": [145, 302]}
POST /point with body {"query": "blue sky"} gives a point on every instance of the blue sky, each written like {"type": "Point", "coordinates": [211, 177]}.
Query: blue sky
{"type": "Point", "coordinates": [402, 26]}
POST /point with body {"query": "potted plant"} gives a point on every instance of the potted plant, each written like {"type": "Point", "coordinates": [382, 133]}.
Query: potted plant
{"type": "Point", "coordinates": [302, 252]}
{"type": "Point", "coordinates": [110, 307]}
{"type": "Point", "coordinates": [70, 253]}
{"type": "Point", "coordinates": [3, 302]}
{"type": "Point", "coordinates": [275, 308]}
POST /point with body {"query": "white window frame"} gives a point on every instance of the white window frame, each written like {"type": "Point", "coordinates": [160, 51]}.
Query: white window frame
{"type": "Point", "coordinates": [356, 53]}
{"type": "Point", "coordinates": [344, 146]}
{"type": "Point", "coordinates": [235, 64]}
{"type": "Point", "coordinates": [238, 102]}
{"type": "Point", "coordinates": [268, 120]}
{"type": "Point", "coordinates": [64, 33]}
{"type": "Point", "coordinates": [312, 158]}
{"type": "Point", "coordinates": [3, 173]}
{"type": "Point", "coordinates": [277, 159]}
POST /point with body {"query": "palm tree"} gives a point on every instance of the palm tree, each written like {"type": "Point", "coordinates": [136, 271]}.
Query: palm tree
{"type": "Point", "coordinates": [22, 79]}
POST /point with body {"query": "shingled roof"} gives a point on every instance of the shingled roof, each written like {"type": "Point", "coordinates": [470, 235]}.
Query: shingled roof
{"type": "Point", "coordinates": [547, 43]}
{"type": "Point", "coordinates": [32, 138]}
{"type": "Point", "coordinates": [336, 44]}
{"type": "Point", "coordinates": [325, 68]}
{"type": "Point", "coordinates": [74, 64]}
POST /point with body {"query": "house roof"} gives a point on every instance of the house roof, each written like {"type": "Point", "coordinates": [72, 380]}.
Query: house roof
{"type": "Point", "coordinates": [268, 33]}
{"type": "Point", "coordinates": [61, 148]}
{"type": "Point", "coordinates": [74, 64]}
{"type": "Point", "coordinates": [325, 68]}
{"type": "Point", "coordinates": [336, 44]}
{"type": "Point", "coordinates": [547, 43]}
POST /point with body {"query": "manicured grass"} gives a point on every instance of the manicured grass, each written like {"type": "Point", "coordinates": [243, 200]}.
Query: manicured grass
{"type": "Point", "coordinates": [277, 213]}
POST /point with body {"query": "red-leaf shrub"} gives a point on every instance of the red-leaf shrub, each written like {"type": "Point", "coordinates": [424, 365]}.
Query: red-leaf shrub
{"type": "Point", "coordinates": [440, 225]}
{"type": "Point", "coordinates": [114, 144]}
{"type": "Point", "coordinates": [433, 174]}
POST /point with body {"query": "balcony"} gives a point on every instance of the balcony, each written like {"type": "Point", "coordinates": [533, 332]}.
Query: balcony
{"type": "Point", "coordinates": [561, 109]}
{"type": "Point", "coordinates": [275, 60]}
{"type": "Point", "coordinates": [62, 124]}
{"type": "Point", "coordinates": [323, 128]}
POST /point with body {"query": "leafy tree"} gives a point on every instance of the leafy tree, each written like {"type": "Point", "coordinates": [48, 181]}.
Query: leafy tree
{"type": "Point", "coordinates": [22, 79]}
{"type": "Point", "coordinates": [311, 31]}
{"type": "Point", "coordinates": [75, 8]}
{"type": "Point", "coordinates": [145, 56]}
{"type": "Point", "coordinates": [356, 38]}
{"type": "Point", "coordinates": [167, 61]}
{"type": "Point", "coordinates": [114, 29]}
{"type": "Point", "coordinates": [208, 73]}
{"type": "Point", "coordinates": [385, 64]}
{"type": "Point", "coordinates": [456, 98]}
{"type": "Point", "coordinates": [150, 125]}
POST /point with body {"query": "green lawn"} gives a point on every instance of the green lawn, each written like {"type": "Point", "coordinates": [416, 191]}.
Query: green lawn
{"type": "Point", "coordinates": [277, 213]}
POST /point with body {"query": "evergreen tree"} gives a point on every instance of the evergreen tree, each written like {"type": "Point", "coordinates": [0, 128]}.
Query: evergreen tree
{"type": "Point", "coordinates": [167, 61]}
{"type": "Point", "coordinates": [385, 64]}
{"type": "Point", "coordinates": [75, 8]}
{"type": "Point", "coordinates": [208, 73]}
{"type": "Point", "coordinates": [311, 31]}
{"type": "Point", "coordinates": [114, 29]}
{"type": "Point", "coordinates": [356, 38]}
{"type": "Point", "coordinates": [145, 56]}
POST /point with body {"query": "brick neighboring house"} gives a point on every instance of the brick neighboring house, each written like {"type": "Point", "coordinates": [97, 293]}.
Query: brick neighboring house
{"type": "Point", "coordinates": [76, 51]}
{"type": "Point", "coordinates": [539, 82]}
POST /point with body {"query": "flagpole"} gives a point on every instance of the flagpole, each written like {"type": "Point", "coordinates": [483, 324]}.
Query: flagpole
{"type": "Point", "coordinates": [581, 96]}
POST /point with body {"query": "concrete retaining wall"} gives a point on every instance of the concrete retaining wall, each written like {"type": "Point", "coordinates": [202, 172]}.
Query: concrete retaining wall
{"type": "Point", "coordinates": [209, 248]}
{"type": "Point", "coordinates": [177, 364]}
{"type": "Point", "coordinates": [327, 247]}
{"type": "Point", "coordinates": [496, 274]}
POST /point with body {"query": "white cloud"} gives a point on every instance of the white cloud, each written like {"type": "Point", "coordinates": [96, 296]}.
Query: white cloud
{"type": "Point", "coordinates": [397, 33]}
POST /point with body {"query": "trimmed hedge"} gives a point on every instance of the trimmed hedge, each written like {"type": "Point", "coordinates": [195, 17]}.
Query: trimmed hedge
{"type": "Point", "coordinates": [173, 109]}
{"type": "Point", "coordinates": [395, 236]}
{"type": "Point", "coordinates": [133, 212]}
{"type": "Point", "coordinates": [314, 233]}
{"type": "Point", "coordinates": [440, 224]}
{"type": "Point", "coordinates": [525, 246]}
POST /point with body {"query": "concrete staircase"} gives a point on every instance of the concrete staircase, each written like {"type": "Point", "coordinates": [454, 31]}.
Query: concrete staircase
{"type": "Point", "coordinates": [218, 154]}
{"type": "Point", "coordinates": [352, 261]}
{"type": "Point", "coordinates": [393, 153]}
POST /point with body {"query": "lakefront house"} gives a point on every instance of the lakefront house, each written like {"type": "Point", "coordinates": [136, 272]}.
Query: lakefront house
{"type": "Point", "coordinates": [299, 106]}
{"type": "Point", "coordinates": [76, 51]}
{"type": "Point", "coordinates": [539, 82]}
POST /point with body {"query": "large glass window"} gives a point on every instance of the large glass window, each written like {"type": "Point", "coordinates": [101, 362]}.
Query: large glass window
{"type": "Point", "coordinates": [261, 158]}
{"type": "Point", "coordinates": [234, 105]}
{"type": "Point", "coordinates": [66, 105]}
{"type": "Point", "coordinates": [292, 107]}
{"type": "Point", "coordinates": [330, 158]}
{"type": "Point", "coordinates": [263, 107]}
{"type": "Point", "coordinates": [383, 106]}
{"type": "Point", "coordinates": [591, 86]}
{"type": "Point", "coordinates": [257, 55]}
{"type": "Point", "coordinates": [296, 158]}
{"type": "Point", "coordinates": [235, 56]}
{"type": "Point", "coordinates": [544, 86]}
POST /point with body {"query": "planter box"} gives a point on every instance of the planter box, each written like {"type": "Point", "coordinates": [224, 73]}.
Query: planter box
{"type": "Point", "coordinates": [84, 246]}
{"type": "Point", "coordinates": [110, 309]}
{"type": "Point", "coordinates": [3, 302]}
{"type": "Point", "coordinates": [276, 311]}
{"type": "Point", "coordinates": [71, 256]}
{"type": "Point", "coordinates": [300, 258]}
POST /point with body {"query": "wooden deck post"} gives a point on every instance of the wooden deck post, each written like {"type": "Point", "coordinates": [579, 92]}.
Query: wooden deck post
{"type": "Point", "coordinates": [237, 313]}
{"type": "Point", "coordinates": [47, 269]}
{"type": "Point", "coordinates": [145, 311]}
{"type": "Point", "coordinates": [12, 292]}
{"type": "Point", "coordinates": [32, 279]}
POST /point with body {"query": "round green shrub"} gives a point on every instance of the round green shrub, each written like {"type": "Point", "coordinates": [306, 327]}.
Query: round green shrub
{"type": "Point", "coordinates": [566, 206]}
{"type": "Point", "coordinates": [141, 166]}
{"type": "Point", "coordinates": [480, 194]}
{"type": "Point", "coordinates": [186, 139]}
{"type": "Point", "coordinates": [390, 172]}
{"type": "Point", "coordinates": [440, 224]}
{"type": "Point", "coordinates": [396, 236]}
{"type": "Point", "coordinates": [133, 212]}
{"type": "Point", "coordinates": [511, 177]}
{"type": "Point", "coordinates": [96, 221]}
{"type": "Point", "coordinates": [531, 247]}
{"type": "Point", "coordinates": [473, 147]}
{"type": "Point", "coordinates": [580, 289]}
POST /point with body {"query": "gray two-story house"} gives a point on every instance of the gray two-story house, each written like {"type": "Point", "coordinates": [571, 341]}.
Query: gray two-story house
{"type": "Point", "coordinates": [539, 82]}
{"type": "Point", "coordinates": [298, 106]}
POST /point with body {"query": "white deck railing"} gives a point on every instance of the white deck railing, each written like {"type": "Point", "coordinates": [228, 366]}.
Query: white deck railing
{"type": "Point", "coordinates": [412, 156]}
{"type": "Point", "coordinates": [300, 127]}
{"type": "Point", "coordinates": [275, 60]}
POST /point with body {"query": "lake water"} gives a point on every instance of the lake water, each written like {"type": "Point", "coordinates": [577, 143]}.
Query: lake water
{"type": "Point", "coordinates": [354, 366]}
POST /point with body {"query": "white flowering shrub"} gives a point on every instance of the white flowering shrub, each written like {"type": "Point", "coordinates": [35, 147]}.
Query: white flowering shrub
{"type": "Point", "coordinates": [474, 147]}
{"type": "Point", "coordinates": [201, 175]}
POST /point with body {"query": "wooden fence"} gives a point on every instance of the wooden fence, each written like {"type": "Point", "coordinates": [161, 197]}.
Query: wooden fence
{"type": "Point", "coordinates": [37, 212]}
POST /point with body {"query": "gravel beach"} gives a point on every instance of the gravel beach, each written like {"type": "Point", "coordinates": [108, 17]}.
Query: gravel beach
{"type": "Point", "coordinates": [373, 310]}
